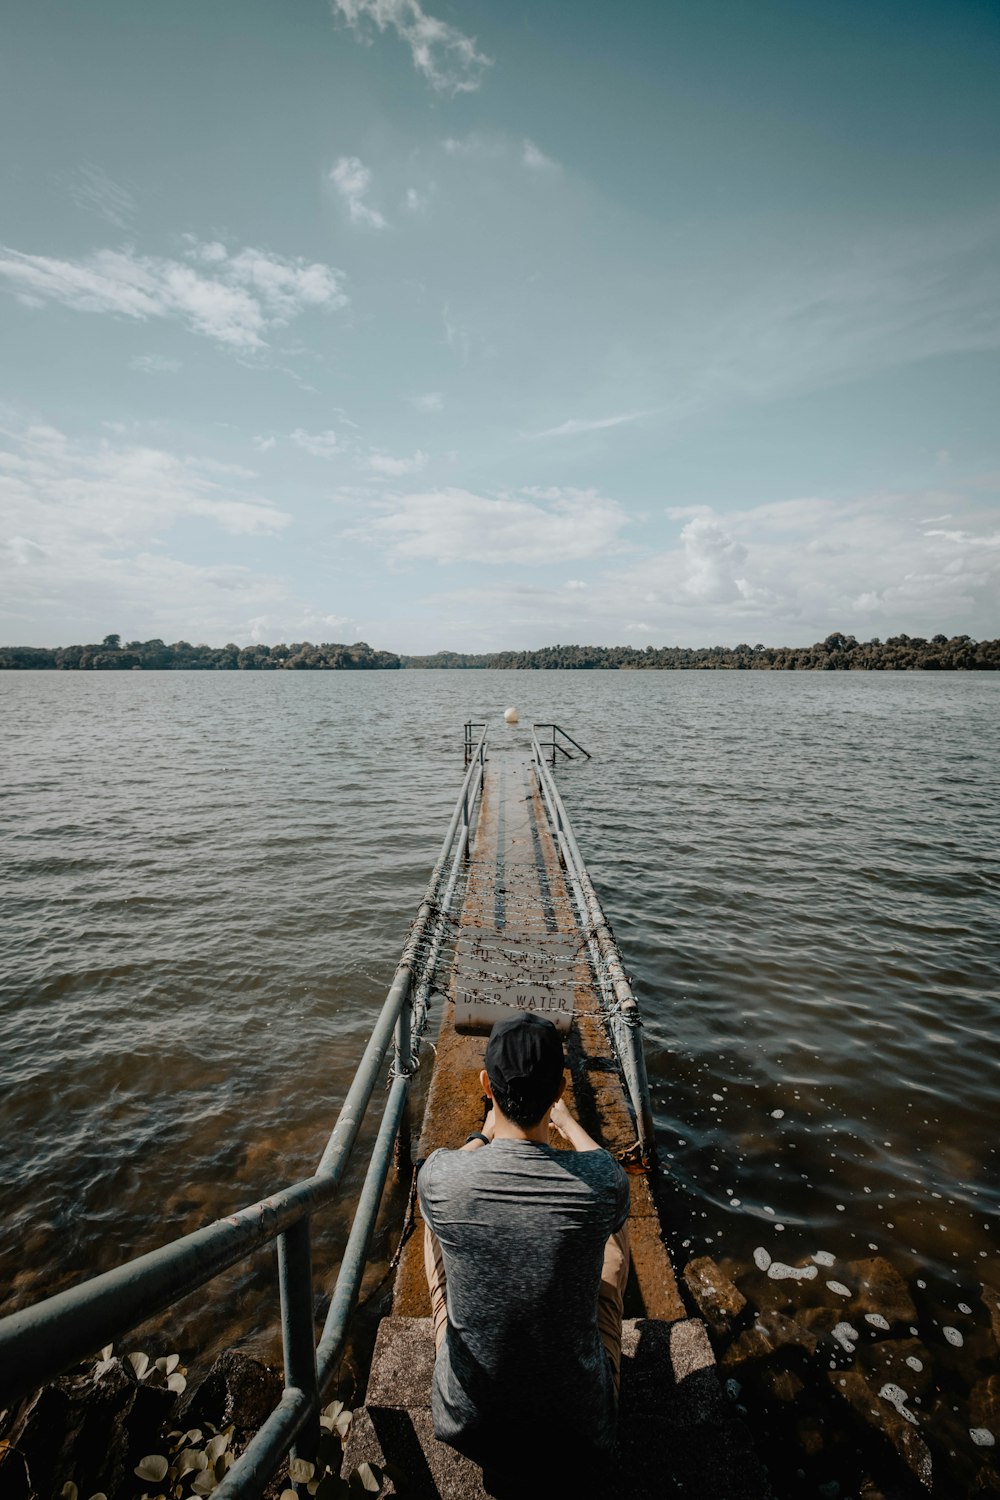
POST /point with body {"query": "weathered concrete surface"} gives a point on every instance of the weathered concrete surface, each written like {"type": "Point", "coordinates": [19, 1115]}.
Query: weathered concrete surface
{"type": "Point", "coordinates": [675, 1432]}
{"type": "Point", "coordinates": [718, 1299]}
{"type": "Point", "coordinates": [518, 935]}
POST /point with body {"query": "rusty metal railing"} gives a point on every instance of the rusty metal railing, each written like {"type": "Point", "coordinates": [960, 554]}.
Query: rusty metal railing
{"type": "Point", "coordinates": [621, 1010]}
{"type": "Point", "coordinates": [40, 1342]}
{"type": "Point", "coordinates": [555, 745]}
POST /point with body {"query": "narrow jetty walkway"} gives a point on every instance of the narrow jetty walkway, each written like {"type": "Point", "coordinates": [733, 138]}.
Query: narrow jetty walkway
{"type": "Point", "coordinates": [519, 938]}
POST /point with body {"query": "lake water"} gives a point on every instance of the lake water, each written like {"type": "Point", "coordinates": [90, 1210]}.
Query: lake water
{"type": "Point", "coordinates": [207, 879]}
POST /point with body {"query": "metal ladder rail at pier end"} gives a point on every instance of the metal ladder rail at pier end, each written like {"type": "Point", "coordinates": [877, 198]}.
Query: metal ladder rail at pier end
{"type": "Point", "coordinates": [40, 1342]}
{"type": "Point", "coordinates": [553, 745]}
{"type": "Point", "coordinates": [620, 1005]}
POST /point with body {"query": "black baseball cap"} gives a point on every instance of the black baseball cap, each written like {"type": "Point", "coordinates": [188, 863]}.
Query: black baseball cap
{"type": "Point", "coordinates": [524, 1053]}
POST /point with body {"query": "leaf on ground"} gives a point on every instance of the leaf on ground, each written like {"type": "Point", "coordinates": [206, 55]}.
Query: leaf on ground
{"type": "Point", "coordinates": [152, 1468]}
{"type": "Point", "coordinates": [191, 1461]}
{"type": "Point", "coordinates": [168, 1363]}
{"type": "Point", "coordinates": [366, 1479]}
{"type": "Point", "coordinates": [176, 1383]}
{"type": "Point", "coordinates": [300, 1470]}
{"type": "Point", "coordinates": [139, 1363]}
{"type": "Point", "coordinates": [216, 1446]}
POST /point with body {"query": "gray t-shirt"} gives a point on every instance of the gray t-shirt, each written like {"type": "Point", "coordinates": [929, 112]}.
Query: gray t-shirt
{"type": "Point", "coordinates": [522, 1229]}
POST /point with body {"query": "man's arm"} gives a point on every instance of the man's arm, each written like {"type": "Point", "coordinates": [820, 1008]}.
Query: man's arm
{"type": "Point", "coordinates": [571, 1130]}
{"type": "Point", "coordinates": [488, 1129]}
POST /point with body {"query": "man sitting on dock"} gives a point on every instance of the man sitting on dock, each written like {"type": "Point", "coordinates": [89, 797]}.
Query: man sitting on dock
{"type": "Point", "coordinates": [526, 1251]}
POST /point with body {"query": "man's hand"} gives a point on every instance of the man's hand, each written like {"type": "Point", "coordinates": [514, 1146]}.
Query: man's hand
{"type": "Point", "coordinates": [490, 1124]}
{"type": "Point", "coordinates": [560, 1118]}
{"type": "Point", "coordinates": [571, 1130]}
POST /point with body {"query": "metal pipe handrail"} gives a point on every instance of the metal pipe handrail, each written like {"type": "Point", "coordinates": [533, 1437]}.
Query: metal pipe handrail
{"type": "Point", "coordinates": [39, 1342]}
{"type": "Point", "coordinates": [554, 745]}
{"type": "Point", "coordinates": [610, 968]}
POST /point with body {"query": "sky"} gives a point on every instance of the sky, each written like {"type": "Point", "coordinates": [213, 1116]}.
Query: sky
{"type": "Point", "coordinates": [490, 324]}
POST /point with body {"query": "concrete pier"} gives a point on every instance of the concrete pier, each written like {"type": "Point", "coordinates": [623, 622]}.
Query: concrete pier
{"type": "Point", "coordinates": [519, 938]}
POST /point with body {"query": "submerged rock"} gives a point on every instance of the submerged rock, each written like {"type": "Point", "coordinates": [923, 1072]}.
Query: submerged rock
{"type": "Point", "coordinates": [783, 1385]}
{"type": "Point", "coordinates": [91, 1428]}
{"type": "Point", "coordinates": [238, 1390]}
{"type": "Point", "coordinates": [717, 1299]}
{"type": "Point", "coordinates": [990, 1298]}
{"type": "Point", "coordinates": [905, 1362]}
{"type": "Point", "coordinates": [880, 1415]}
{"type": "Point", "coordinates": [770, 1331]}
{"type": "Point", "coordinates": [881, 1289]}
{"type": "Point", "coordinates": [820, 1320]}
{"type": "Point", "coordinates": [984, 1405]}
{"type": "Point", "coordinates": [812, 1439]}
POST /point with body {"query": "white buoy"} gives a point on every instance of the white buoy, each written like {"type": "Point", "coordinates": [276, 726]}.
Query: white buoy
{"type": "Point", "coordinates": [510, 714]}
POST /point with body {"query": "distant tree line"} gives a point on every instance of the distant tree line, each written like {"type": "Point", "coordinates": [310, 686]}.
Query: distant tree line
{"type": "Point", "coordinates": [112, 656]}
{"type": "Point", "coordinates": [838, 653]}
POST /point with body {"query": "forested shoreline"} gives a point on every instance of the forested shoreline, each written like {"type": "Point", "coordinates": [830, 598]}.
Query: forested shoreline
{"type": "Point", "coordinates": [837, 653]}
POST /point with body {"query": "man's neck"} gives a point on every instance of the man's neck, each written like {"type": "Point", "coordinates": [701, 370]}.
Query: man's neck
{"type": "Point", "coordinates": [506, 1130]}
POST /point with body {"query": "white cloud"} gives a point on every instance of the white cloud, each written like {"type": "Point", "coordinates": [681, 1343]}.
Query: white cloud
{"type": "Point", "coordinates": [535, 159]}
{"type": "Point", "coordinates": [498, 147]}
{"type": "Point", "coordinates": [428, 402]}
{"type": "Point", "coordinates": [120, 492]}
{"type": "Point", "coordinates": [87, 527]}
{"type": "Point", "coordinates": [575, 425]}
{"type": "Point", "coordinates": [296, 625]}
{"type": "Point", "coordinates": [353, 181]}
{"type": "Point", "coordinates": [446, 58]}
{"type": "Point", "coordinates": [791, 571]}
{"type": "Point", "coordinates": [24, 551]}
{"type": "Point", "coordinates": [382, 463]}
{"type": "Point", "coordinates": [91, 188]}
{"type": "Point", "coordinates": [414, 202]}
{"type": "Point", "coordinates": [319, 444]}
{"type": "Point", "coordinates": [454, 525]}
{"type": "Point", "coordinates": [686, 512]}
{"type": "Point", "coordinates": [713, 561]}
{"type": "Point", "coordinates": [243, 297]}
{"type": "Point", "coordinates": [785, 573]}
{"type": "Point", "coordinates": [154, 364]}
{"type": "Point", "coordinates": [475, 145]}
{"type": "Point", "coordinates": [965, 539]}
{"type": "Point", "coordinates": [574, 584]}
{"type": "Point", "coordinates": [264, 444]}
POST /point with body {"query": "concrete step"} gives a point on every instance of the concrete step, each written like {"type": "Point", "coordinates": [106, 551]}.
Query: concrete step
{"type": "Point", "coordinates": [676, 1433]}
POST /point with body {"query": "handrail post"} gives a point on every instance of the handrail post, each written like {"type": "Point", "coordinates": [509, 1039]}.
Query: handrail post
{"type": "Point", "coordinates": [297, 1330]}
{"type": "Point", "coordinates": [404, 1038]}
